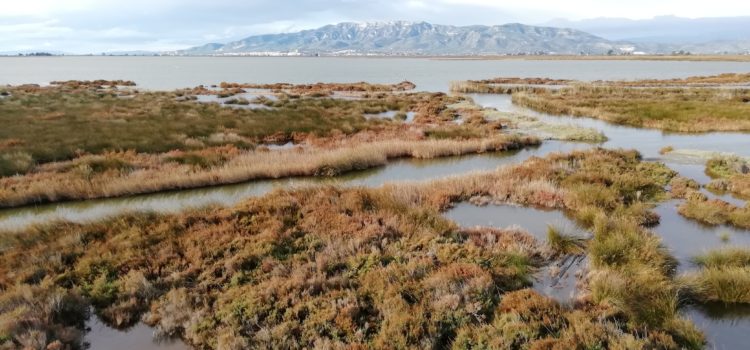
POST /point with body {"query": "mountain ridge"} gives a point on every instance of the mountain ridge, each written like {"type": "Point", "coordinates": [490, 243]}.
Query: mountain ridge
{"type": "Point", "coordinates": [418, 38]}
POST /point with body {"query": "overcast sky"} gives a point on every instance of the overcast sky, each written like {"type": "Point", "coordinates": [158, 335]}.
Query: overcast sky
{"type": "Point", "coordinates": [92, 26]}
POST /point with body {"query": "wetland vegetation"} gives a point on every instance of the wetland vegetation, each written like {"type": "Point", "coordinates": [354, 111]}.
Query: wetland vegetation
{"type": "Point", "coordinates": [82, 140]}
{"type": "Point", "coordinates": [696, 104]}
{"type": "Point", "coordinates": [333, 266]}
{"type": "Point", "coordinates": [373, 267]}
{"type": "Point", "coordinates": [729, 175]}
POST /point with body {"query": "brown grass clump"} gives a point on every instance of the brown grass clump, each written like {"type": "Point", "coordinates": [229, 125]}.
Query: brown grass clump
{"type": "Point", "coordinates": [63, 121]}
{"type": "Point", "coordinates": [672, 109]}
{"type": "Point", "coordinates": [692, 104]}
{"type": "Point", "coordinates": [156, 142]}
{"type": "Point", "coordinates": [504, 85]}
{"type": "Point", "coordinates": [95, 84]}
{"type": "Point", "coordinates": [697, 81]}
{"type": "Point", "coordinates": [370, 267]}
{"type": "Point", "coordinates": [119, 174]}
{"type": "Point", "coordinates": [731, 174]}
{"type": "Point", "coordinates": [563, 244]}
{"type": "Point", "coordinates": [715, 212]}
{"type": "Point", "coordinates": [724, 284]}
{"type": "Point", "coordinates": [39, 313]}
{"type": "Point", "coordinates": [332, 258]}
{"type": "Point", "coordinates": [665, 150]}
{"type": "Point", "coordinates": [725, 257]}
{"type": "Point", "coordinates": [508, 85]}
{"type": "Point", "coordinates": [323, 89]}
{"type": "Point", "coordinates": [724, 276]}
{"type": "Point", "coordinates": [682, 187]}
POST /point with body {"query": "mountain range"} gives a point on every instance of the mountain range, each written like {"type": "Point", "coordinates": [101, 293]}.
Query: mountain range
{"type": "Point", "coordinates": [598, 36]}
{"type": "Point", "coordinates": [417, 38]}
{"type": "Point", "coordinates": [422, 38]}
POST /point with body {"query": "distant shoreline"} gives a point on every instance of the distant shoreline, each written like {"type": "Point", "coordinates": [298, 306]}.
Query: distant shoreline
{"type": "Point", "coordinates": [727, 58]}
{"type": "Point", "coordinates": [694, 58]}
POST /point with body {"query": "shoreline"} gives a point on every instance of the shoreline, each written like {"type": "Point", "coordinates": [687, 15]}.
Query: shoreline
{"type": "Point", "coordinates": [676, 58]}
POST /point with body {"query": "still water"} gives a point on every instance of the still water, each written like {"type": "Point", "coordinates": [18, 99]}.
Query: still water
{"type": "Point", "coordinates": [726, 327]}
{"type": "Point", "coordinates": [559, 280]}
{"type": "Point", "coordinates": [428, 74]}
{"type": "Point", "coordinates": [138, 337]}
{"type": "Point", "coordinates": [171, 202]}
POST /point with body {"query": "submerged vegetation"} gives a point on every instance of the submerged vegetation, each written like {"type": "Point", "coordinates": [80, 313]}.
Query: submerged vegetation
{"type": "Point", "coordinates": [695, 104]}
{"type": "Point", "coordinates": [376, 268]}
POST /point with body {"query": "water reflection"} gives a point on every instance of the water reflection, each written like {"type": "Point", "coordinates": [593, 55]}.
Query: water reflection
{"type": "Point", "coordinates": [171, 202]}
{"type": "Point", "coordinates": [559, 280]}
{"type": "Point", "coordinates": [646, 141]}
{"type": "Point", "coordinates": [687, 238]}
{"type": "Point", "coordinates": [726, 326]}
{"type": "Point", "coordinates": [428, 74]}
{"type": "Point", "coordinates": [138, 337]}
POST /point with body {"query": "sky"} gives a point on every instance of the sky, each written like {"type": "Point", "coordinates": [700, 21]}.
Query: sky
{"type": "Point", "coordinates": [94, 26]}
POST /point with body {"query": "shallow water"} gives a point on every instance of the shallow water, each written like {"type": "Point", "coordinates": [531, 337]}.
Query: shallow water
{"type": "Point", "coordinates": [725, 328]}
{"type": "Point", "coordinates": [562, 287]}
{"type": "Point", "coordinates": [283, 146]}
{"type": "Point", "coordinates": [391, 115]}
{"type": "Point", "coordinates": [534, 220]}
{"type": "Point", "coordinates": [687, 238]}
{"type": "Point", "coordinates": [250, 96]}
{"type": "Point", "coordinates": [138, 337]}
{"type": "Point", "coordinates": [646, 141]}
{"type": "Point", "coordinates": [428, 74]}
{"type": "Point", "coordinates": [227, 195]}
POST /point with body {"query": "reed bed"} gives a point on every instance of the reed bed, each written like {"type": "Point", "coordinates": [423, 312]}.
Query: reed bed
{"type": "Point", "coordinates": [62, 122]}
{"type": "Point", "coordinates": [117, 175]}
{"type": "Point", "coordinates": [715, 212]}
{"type": "Point", "coordinates": [730, 174]}
{"type": "Point", "coordinates": [694, 104]}
{"type": "Point", "coordinates": [380, 268]}
{"type": "Point", "coordinates": [671, 109]}
{"type": "Point", "coordinates": [723, 276]}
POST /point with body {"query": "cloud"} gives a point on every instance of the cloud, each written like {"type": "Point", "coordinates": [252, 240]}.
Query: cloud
{"type": "Point", "coordinates": [82, 26]}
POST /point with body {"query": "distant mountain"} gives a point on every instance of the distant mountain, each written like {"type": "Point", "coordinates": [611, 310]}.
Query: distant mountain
{"type": "Point", "coordinates": [394, 38]}
{"type": "Point", "coordinates": [664, 29]}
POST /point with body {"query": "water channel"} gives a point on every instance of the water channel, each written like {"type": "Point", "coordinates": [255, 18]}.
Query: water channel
{"type": "Point", "coordinates": [726, 326]}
